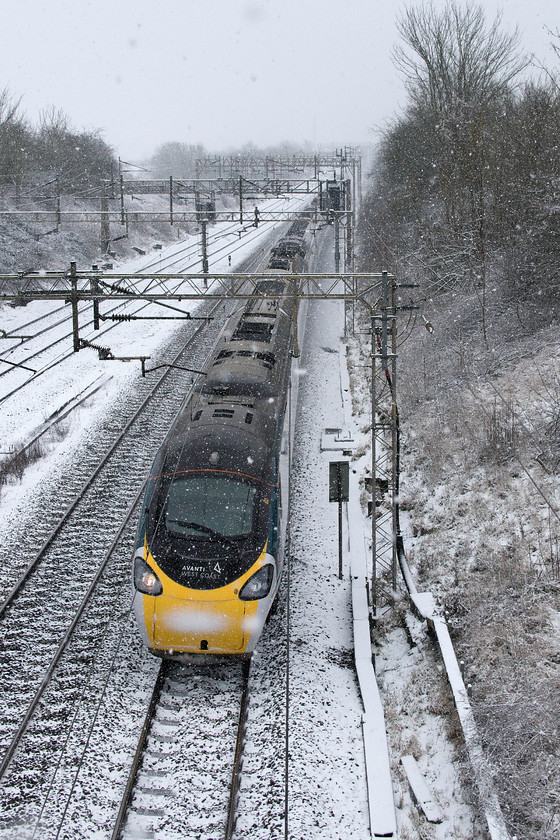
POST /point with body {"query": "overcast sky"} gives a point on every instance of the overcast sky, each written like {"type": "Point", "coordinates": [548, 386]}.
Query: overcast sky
{"type": "Point", "coordinates": [221, 72]}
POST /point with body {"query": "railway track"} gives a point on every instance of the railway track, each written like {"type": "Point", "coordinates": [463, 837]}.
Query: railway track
{"type": "Point", "coordinates": [184, 774]}
{"type": "Point", "coordinates": [182, 782]}
{"type": "Point", "coordinates": [102, 451]}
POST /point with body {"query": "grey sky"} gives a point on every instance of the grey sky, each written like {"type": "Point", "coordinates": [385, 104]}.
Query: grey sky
{"type": "Point", "coordinates": [220, 72]}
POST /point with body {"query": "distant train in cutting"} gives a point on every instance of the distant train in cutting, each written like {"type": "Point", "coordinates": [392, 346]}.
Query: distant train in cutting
{"type": "Point", "coordinates": [209, 550]}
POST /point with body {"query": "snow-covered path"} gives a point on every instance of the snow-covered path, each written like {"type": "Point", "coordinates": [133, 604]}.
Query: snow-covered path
{"type": "Point", "coordinates": [328, 794]}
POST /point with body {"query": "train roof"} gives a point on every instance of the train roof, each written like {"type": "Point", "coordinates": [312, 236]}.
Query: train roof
{"type": "Point", "coordinates": [224, 447]}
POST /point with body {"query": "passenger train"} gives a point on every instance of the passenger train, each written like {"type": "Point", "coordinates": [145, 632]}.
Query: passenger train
{"type": "Point", "coordinates": [210, 541]}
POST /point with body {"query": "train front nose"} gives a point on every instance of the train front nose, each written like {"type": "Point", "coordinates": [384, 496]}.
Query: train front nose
{"type": "Point", "coordinates": [194, 626]}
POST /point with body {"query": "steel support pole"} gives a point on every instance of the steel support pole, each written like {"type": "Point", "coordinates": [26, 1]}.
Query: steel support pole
{"type": "Point", "coordinates": [394, 434]}
{"type": "Point", "coordinates": [105, 238]}
{"type": "Point", "coordinates": [340, 540]}
{"type": "Point", "coordinates": [349, 221]}
{"type": "Point", "coordinates": [95, 291]}
{"type": "Point", "coordinates": [295, 315]}
{"type": "Point", "coordinates": [373, 470]}
{"type": "Point", "coordinates": [240, 199]}
{"type": "Point", "coordinates": [57, 203]}
{"type": "Point", "coordinates": [203, 225]}
{"type": "Point", "coordinates": [122, 199]}
{"type": "Point", "coordinates": [336, 244]}
{"type": "Point", "coordinates": [384, 445]}
{"type": "Point", "coordinates": [74, 303]}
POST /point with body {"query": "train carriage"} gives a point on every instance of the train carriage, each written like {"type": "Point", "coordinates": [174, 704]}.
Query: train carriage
{"type": "Point", "coordinates": [209, 550]}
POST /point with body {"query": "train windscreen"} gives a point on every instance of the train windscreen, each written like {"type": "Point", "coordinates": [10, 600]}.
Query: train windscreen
{"type": "Point", "coordinates": [210, 506]}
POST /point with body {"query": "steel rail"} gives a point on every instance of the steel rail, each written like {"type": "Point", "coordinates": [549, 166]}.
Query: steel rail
{"type": "Point", "coordinates": [5, 360]}
{"type": "Point", "coordinates": [231, 230]}
{"type": "Point", "coordinates": [139, 752]}
{"type": "Point", "coordinates": [20, 732]}
{"type": "Point", "coordinates": [129, 788]}
{"type": "Point", "coordinates": [45, 680]}
{"type": "Point", "coordinates": [238, 757]}
{"type": "Point", "coordinates": [63, 412]}
{"type": "Point", "coordinates": [22, 728]}
{"type": "Point", "coordinates": [27, 324]}
{"type": "Point", "coordinates": [182, 253]}
{"type": "Point", "coordinates": [65, 355]}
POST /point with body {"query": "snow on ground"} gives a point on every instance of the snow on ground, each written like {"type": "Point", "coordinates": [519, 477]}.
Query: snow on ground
{"type": "Point", "coordinates": [419, 712]}
{"type": "Point", "coordinates": [31, 246]}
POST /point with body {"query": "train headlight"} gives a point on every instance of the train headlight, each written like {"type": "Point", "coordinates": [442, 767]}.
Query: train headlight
{"type": "Point", "coordinates": [258, 586]}
{"type": "Point", "coordinates": [145, 579]}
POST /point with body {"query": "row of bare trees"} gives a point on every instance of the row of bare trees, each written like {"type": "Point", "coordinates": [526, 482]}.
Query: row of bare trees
{"type": "Point", "coordinates": [467, 180]}
{"type": "Point", "coordinates": [32, 156]}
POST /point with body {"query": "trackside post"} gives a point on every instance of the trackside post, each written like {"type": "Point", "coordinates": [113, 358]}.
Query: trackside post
{"type": "Point", "coordinates": [339, 472]}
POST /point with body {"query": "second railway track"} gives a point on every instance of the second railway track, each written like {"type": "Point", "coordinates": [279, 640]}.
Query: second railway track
{"type": "Point", "coordinates": [25, 356]}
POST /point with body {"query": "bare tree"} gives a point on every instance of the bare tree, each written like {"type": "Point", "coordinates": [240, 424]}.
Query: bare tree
{"type": "Point", "coordinates": [80, 160]}
{"type": "Point", "coordinates": [53, 122]}
{"type": "Point", "coordinates": [458, 71]}
{"type": "Point", "coordinates": [9, 108]}
{"type": "Point", "coordinates": [555, 43]}
{"type": "Point", "coordinates": [14, 139]}
{"type": "Point", "coordinates": [452, 59]}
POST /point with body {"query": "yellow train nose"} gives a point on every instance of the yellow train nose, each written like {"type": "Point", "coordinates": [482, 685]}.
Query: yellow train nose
{"type": "Point", "coordinates": [213, 626]}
